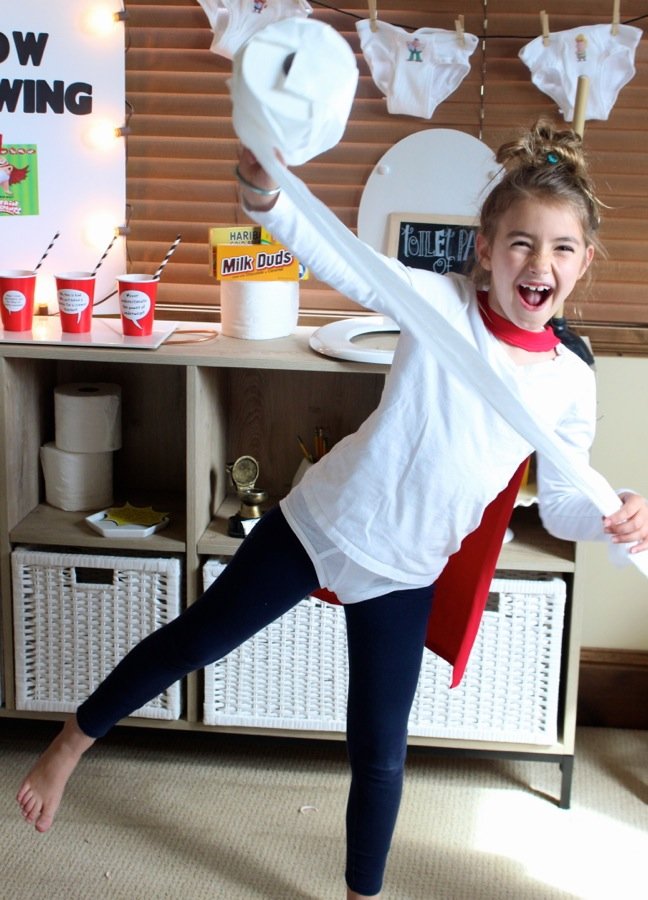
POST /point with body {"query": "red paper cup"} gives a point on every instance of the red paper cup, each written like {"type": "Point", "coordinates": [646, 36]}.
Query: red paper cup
{"type": "Point", "coordinates": [137, 295]}
{"type": "Point", "coordinates": [17, 288]}
{"type": "Point", "coordinates": [75, 293]}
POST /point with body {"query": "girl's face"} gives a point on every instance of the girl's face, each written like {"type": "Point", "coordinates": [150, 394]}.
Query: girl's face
{"type": "Point", "coordinates": [535, 259]}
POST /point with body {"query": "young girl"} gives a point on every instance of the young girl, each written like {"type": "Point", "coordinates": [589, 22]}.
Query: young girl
{"type": "Point", "coordinates": [377, 518]}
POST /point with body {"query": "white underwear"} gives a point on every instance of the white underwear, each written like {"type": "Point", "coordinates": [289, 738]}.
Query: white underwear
{"type": "Point", "coordinates": [606, 59]}
{"type": "Point", "coordinates": [235, 21]}
{"type": "Point", "coordinates": [415, 70]}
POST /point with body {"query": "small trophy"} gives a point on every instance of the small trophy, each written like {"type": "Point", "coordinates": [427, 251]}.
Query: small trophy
{"type": "Point", "coordinates": [244, 473]}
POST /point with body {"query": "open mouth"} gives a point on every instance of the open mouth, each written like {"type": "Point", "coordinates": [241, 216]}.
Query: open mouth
{"type": "Point", "coordinates": [534, 296]}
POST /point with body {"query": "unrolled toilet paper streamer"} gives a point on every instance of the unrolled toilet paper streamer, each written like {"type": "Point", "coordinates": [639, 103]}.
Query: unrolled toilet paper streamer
{"type": "Point", "coordinates": [258, 310]}
{"type": "Point", "coordinates": [76, 481]}
{"type": "Point", "coordinates": [87, 417]}
{"type": "Point", "coordinates": [260, 134]}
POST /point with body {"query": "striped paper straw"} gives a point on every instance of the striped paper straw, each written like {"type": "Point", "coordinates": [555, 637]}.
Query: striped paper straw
{"type": "Point", "coordinates": [105, 253]}
{"type": "Point", "coordinates": [51, 244]}
{"type": "Point", "coordinates": [168, 256]}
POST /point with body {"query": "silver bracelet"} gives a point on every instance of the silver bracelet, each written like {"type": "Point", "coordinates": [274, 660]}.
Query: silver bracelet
{"type": "Point", "coordinates": [262, 192]}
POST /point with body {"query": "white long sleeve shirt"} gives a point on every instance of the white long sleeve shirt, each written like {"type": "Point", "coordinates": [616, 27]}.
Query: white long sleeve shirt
{"type": "Point", "coordinates": [398, 496]}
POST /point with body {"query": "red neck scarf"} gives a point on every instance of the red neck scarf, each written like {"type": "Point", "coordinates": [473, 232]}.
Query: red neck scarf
{"type": "Point", "coordinates": [512, 334]}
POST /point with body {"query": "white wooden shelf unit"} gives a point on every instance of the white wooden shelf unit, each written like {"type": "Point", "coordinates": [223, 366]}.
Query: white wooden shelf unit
{"type": "Point", "coordinates": [189, 409]}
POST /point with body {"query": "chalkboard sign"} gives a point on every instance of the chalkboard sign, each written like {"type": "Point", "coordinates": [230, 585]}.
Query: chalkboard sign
{"type": "Point", "coordinates": [440, 243]}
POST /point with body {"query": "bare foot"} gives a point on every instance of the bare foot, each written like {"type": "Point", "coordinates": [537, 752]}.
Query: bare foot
{"type": "Point", "coordinates": [41, 792]}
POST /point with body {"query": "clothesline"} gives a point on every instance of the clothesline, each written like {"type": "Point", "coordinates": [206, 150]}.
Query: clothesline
{"type": "Point", "coordinates": [482, 37]}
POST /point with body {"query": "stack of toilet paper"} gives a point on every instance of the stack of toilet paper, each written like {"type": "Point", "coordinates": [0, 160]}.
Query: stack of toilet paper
{"type": "Point", "coordinates": [78, 464]}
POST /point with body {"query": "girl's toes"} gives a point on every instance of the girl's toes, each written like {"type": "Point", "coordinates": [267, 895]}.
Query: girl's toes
{"type": "Point", "coordinates": [28, 804]}
{"type": "Point", "coordinates": [44, 822]}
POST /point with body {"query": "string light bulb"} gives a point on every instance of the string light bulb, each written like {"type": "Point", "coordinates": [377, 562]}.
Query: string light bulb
{"type": "Point", "coordinates": [99, 229]}
{"type": "Point", "coordinates": [45, 293]}
{"type": "Point", "coordinates": [103, 134]}
{"type": "Point", "coordinates": [100, 19]}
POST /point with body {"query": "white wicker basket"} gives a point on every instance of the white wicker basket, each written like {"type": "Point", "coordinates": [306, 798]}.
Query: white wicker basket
{"type": "Point", "coordinates": [77, 615]}
{"type": "Point", "coordinates": [510, 688]}
{"type": "Point", "coordinates": [293, 674]}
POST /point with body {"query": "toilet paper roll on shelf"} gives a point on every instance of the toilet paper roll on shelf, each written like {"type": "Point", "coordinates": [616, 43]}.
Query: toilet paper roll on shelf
{"type": "Point", "coordinates": [77, 481]}
{"type": "Point", "coordinates": [87, 417]}
{"type": "Point", "coordinates": [259, 310]}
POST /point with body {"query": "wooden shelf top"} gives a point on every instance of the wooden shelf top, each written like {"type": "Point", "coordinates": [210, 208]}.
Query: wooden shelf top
{"type": "Point", "coordinates": [531, 550]}
{"type": "Point", "coordinates": [292, 352]}
{"type": "Point", "coordinates": [48, 526]}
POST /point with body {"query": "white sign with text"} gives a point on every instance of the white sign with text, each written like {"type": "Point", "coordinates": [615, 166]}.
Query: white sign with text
{"type": "Point", "coordinates": [62, 169]}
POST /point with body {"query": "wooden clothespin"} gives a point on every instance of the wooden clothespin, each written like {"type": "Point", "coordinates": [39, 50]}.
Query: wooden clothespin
{"type": "Point", "coordinates": [459, 28]}
{"type": "Point", "coordinates": [580, 105]}
{"type": "Point", "coordinates": [373, 15]}
{"type": "Point", "coordinates": [616, 16]}
{"type": "Point", "coordinates": [544, 22]}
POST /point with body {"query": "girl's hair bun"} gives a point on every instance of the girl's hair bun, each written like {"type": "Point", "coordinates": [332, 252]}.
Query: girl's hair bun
{"type": "Point", "coordinates": [544, 145]}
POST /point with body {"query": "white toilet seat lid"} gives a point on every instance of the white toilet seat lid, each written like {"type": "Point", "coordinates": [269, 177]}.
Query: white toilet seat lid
{"type": "Point", "coordinates": [336, 339]}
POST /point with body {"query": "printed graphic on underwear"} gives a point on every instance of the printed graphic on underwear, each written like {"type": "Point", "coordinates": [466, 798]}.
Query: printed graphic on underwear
{"type": "Point", "coordinates": [580, 42]}
{"type": "Point", "coordinates": [415, 48]}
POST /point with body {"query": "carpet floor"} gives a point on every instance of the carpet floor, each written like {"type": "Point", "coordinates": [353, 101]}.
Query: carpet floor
{"type": "Point", "coordinates": [160, 815]}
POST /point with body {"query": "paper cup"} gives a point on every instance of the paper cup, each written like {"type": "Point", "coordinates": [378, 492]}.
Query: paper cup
{"type": "Point", "coordinates": [75, 293]}
{"type": "Point", "coordinates": [137, 295]}
{"type": "Point", "coordinates": [17, 288]}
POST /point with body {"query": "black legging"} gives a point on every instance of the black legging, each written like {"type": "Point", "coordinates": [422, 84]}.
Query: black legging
{"type": "Point", "coordinates": [269, 574]}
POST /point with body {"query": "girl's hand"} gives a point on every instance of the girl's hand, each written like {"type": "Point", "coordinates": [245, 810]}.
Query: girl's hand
{"type": "Point", "coordinates": [251, 171]}
{"type": "Point", "coordinates": [630, 523]}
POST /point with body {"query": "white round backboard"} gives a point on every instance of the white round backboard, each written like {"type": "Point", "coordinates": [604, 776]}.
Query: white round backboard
{"type": "Point", "coordinates": [438, 170]}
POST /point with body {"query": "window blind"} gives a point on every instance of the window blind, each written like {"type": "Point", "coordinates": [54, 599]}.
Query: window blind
{"type": "Point", "coordinates": [181, 148]}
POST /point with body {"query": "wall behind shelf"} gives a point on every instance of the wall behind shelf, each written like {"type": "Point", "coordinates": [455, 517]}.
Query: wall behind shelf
{"type": "Point", "coordinates": [616, 607]}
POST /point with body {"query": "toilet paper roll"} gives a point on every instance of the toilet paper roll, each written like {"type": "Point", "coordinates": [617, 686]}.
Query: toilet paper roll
{"type": "Point", "coordinates": [76, 481]}
{"type": "Point", "coordinates": [258, 310]}
{"type": "Point", "coordinates": [294, 82]}
{"type": "Point", "coordinates": [87, 417]}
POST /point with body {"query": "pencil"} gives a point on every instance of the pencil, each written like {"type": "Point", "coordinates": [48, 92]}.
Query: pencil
{"type": "Point", "coordinates": [321, 442]}
{"type": "Point", "coordinates": [304, 450]}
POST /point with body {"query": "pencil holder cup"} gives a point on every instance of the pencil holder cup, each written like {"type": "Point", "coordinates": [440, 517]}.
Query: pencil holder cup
{"type": "Point", "coordinates": [303, 467]}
